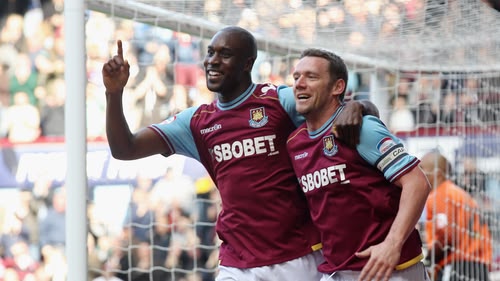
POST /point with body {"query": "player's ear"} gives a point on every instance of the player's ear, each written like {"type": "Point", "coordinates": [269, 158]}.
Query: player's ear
{"type": "Point", "coordinates": [338, 87]}
{"type": "Point", "coordinates": [249, 64]}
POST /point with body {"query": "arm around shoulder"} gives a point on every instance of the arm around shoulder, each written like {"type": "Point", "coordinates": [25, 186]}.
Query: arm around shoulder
{"type": "Point", "coordinates": [348, 124]}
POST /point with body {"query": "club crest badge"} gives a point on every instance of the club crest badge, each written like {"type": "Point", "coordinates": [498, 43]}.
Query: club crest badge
{"type": "Point", "coordinates": [258, 117]}
{"type": "Point", "coordinates": [329, 146]}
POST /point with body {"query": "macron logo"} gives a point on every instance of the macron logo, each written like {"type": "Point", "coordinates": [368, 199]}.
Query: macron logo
{"type": "Point", "coordinates": [301, 156]}
{"type": "Point", "coordinates": [210, 129]}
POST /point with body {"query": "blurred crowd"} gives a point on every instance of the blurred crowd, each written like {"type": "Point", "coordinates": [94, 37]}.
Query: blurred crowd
{"type": "Point", "coordinates": [357, 22]}
{"type": "Point", "coordinates": [32, 94]}
{"type": "Point", "coordinates": [165, 235]}
{"type": "Point", "coordinates": [167, 231]}
{"type": "Point", "coordinates": [457, 100]}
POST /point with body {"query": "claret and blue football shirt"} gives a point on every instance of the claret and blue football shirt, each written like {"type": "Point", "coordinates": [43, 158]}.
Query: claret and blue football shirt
{"type": "Point", "coordinates": [350, 192]}
{"type": "Point", "coordinates": [264, 218]}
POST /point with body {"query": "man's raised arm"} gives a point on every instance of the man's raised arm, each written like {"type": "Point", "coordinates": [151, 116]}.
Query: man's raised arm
{"type": "Point", "coordinates": [123, 143]}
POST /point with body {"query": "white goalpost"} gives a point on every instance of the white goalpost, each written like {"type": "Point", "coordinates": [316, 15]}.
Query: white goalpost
{"type": "Point", "coordinates": [432, 67]}
{"type": "Point", "coordinates": [75, 133]}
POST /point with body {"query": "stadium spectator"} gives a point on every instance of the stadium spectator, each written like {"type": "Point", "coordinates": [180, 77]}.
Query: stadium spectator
{"type": "Point", "coordinates": [153, 88]}
{"type": "Point", "coordinates": [95, 112]}
{"type": "Point", "coordinates": [449, 108]}
{"type": "Point", "coordinates": [265, 73]}
{"type": "Point", "coordinates": [55, 51]}
{"type": "Point", "coordinates": [53, 108]}
{"type": "Point", "coordinates": [207, 210]}
{"type": "Point", "coordinates": [53, 225]}
{"type": "Point", "coordinates": [146, 41]}
{"type": "Point", "coordinates": [24, 79]}
{"type": "Point", "coordinates": [180, 99]}
{"type": "Point", "coordinates": [108, 272]}
{"type": "Point", "coordinates": [249, 20]}
{"type": "Point", "coordinates": [456, 234]}
{"type": "Point", "coordinates": [184, 253]}
{"type": "Point", "coordinates": [173, 190]}
{"type": "Point", "coordinates": [250, 115]}
{"type": "Point", "coordinates": [187, 53]}
{"type": "Point", "coordinates": [54, 265]}
{"type": "Point", "coordinates": [489, 100]}
{"type": "Point", "coordinates": [12, 32]}
{"type": "Point", "coordinates": [452, 109]}
{"type": "Point", "coordinates": [52, 235]}
{"type": "Point", "coordinates": [377, 184]}
{"type": "Point", "coordinates": [427, 93]}
{"type": "Point", "coordinates": [42, 192]}
{"type": "Point", "coordinates": [469, 100]}
{"type": "Point", "coordinates": [13, 231]}
{"type": "Point", "coordinates": [139, 216]}
{"type": "Point", "coordinates": [21, 261]}
{"type": "Point", "coordinates": [28, 215]}
{"type": "Point", "coordinates": [405, 86]}
{"type": "Point", "coordinates": [140, 260]}
{"type": "Point", "coordinates": [22, 120]}
{"type": "Point", "coordinates": [472, 179]}
{"type": "Point", "coordinates": [162, 234]}
{"type": "Point", "coordinates": [94, 258]}
{"type": "Point", "coordinates": [52, 9]}
{"type": "Point", "coordinates": [4, 96]}
{"type": "Point", "coordinates": [401, 119]}
{"type": "Point", "coordinates": [40, 52]}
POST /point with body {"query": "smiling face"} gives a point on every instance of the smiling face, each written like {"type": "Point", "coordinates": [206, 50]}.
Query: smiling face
{"type": "Point", "coordinates": [228, 62]}
{"type": "Point", "coordinates": [316, 95]}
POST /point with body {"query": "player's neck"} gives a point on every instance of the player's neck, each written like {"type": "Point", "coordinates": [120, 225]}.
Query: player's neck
{"type": "Point", "coordinates": [316, 119]}
{"type": "Point", "coordinates": [229, 96]}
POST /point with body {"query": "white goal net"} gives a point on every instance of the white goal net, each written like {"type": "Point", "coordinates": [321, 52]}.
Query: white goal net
{"type": "Point", "coordinates": [431, 66]}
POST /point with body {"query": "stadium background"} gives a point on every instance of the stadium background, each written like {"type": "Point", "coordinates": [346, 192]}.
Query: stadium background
{"type": "Point", "coordinates": [430, 66]}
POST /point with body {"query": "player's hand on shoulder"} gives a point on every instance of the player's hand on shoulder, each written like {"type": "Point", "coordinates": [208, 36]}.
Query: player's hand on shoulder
{"type": "Point", "coordinates": [347, 125]}
{"type": "Point", "coordinates": [115, 71]}
{"type": "Point", "coordinates": [369, 108]}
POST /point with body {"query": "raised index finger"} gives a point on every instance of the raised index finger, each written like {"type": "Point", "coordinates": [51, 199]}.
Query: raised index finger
{"type": "Point", "coordinates": [120, 48]}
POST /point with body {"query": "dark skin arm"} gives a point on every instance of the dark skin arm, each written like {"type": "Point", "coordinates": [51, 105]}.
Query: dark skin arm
{"type": "Point", "coordinates": [124, 144]}
{"type": "Point", "coordinates": [347, 125]}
